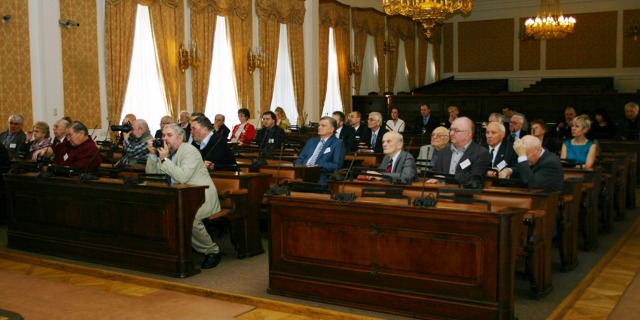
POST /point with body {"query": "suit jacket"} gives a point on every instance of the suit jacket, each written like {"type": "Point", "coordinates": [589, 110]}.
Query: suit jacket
{"type": "Point", "coordinates": [330, 158]}
{"type": "Point", "coordinates": [419, 127]}
{"type": "Point", "coordinates": [187, 167]}
{"type": "Point", "coordinates": [15, 143]}
{"type": "Point", "coordinates": [348, 137]}
{"type": "Point", "coordinates": [267, 140]}
{"type": "Point", "coordinates": [404, 170]}
{"type": "Point", "coordinates": [158, 134]}
{"type": "Point", "coordinates": [359, 134]}
{"type": "Point", "coordinates": [187, 132]}
{"type": "Point", "coordinates": [479, 159]}
{"type": "Point", "coordinates": [223, 131]}
{"type": "Point", "coordinates": [217, 151]}
{"type": "Point", "coordinates": [504, 153]}
{"type": "Point", "coordinates": [546, 174]}
{"type": "Point", "coordinates": [508, 136]}
{"type": "Point", "coordinates": [377, 147]}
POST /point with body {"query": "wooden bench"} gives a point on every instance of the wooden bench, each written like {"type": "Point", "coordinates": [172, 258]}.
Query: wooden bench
{"type": "Point", "coordinates": [588, 219]}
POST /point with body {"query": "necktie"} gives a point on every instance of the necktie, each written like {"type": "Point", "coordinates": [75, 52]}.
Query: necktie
{"type": "Point", "coordinates": [316, 153]}
{"type": "Point", "coordinates": [492, 153]}
{"type": "Point", "coordinates": [434, 157]}
{"type": "Point", "coordinates": [390, 166]}
{"type": "Point", "coordinates": [373, 140]}
{"type": "Point", "coordinates": [425, 120]}
{"type": "Point", "coordinates": [56, 141]}
{"type": "Point", "coordinates": [7, 140]}
{"type": "Point", "coordinates": [514, 136]}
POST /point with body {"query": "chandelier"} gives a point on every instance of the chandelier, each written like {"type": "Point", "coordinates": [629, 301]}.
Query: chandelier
{"type": "Point", "coordinates": [428, 12]}
{"type": "Point", "coordinates": [550, 23]}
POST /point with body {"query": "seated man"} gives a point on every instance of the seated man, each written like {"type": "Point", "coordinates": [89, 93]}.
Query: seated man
{"type": "Point", "coordinates": [14, 136]}
{"type": "Point", "coordinates": [220, 128]}
{"type": "Point", "coordinates": [60, 131]}
{"type": "Point", "coordinates": [163, 122]}
{"type": "Point", "coordinates": [270, 136]}
{"type": "Point", "coordinates": [372, 139]}
{"type": "Point", "coordinates": [325, 150]}
{"type": "Point", "coordinates": [399, 165]}
{"type": "Point", "coordinates": [78, 151]}
{"type": "Point", "coordinates": [429, 153]}
{"type": "Point", "coordinates": [213, 147]}
{"type": "Point", "coordinates": [538, 168]}
{"type": "Point", "coordinates": [135, 144]}
{"type": "Point", "coordinates": [183, 163]}
{"type": "Point", "coordinates": [464, 158]}
{"type": "Point", "coordinates": [500, 150]}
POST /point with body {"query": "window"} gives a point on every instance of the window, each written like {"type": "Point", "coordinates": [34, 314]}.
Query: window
{"type": "Point", "coordinates": [401, 82]}
{"type": "Point", "coordinates": [332, 100]}
{"type": "Point", "coordinates": [283, 94]}
{"type": "Point", "coordinates": [145, 92]}
{"type": "Point", "coordinates": [369, 82]}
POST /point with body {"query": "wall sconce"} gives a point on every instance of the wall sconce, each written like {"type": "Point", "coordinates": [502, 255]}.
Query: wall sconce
{"type": "Point", "coordinates": [389, 47]}
{"type": "Point", "coordinates": [188, 57]}
{"type": "Point", "coordinates": [256, 60]}
{"type": "Point", "coordinates": [353, 66]}
{"type": "Point", "coordinates": [6, 18]}
{"type": "Point", "coordinates": [634, 29]}
{"type": "Point", "coordinates": [68, 23]}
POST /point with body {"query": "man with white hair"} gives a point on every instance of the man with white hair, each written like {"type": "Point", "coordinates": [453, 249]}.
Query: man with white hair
{"type": "Point", "coordinates": [630, 125]}
{"type": "Point", "coordinates": [538, 168]}
{"type": "Point", "coordinates": [13, 138]}
{"type": "Point", "coordinates": [500, 151]}
{"type": "Point", "coordinates": [399, 165]}
{"type": "Point", "coordinates": [515, 127]}
{"type": "Point", "coordinates": [373, 137]}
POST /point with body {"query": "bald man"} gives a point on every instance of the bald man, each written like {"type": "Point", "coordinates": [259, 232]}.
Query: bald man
{"type": "Point", "coordinates": [538, 168]}
{"type": "Point", "coordinates": [135, 144]}
{"type": "Point", "coordinates": [429, 153]}
{"type": "Point", "coordinates": [463, 158]}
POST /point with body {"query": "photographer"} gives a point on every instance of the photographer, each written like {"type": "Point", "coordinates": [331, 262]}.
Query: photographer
{"type": "Point", "coordinates": [135, 143]}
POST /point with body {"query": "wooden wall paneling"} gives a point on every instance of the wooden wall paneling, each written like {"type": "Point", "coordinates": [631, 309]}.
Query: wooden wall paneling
{"type": "Point", "coordinates": [630, 47]}
{"type": "Point", "coordinates": [447, 44]}
{"type": "Point", "coordinates": [529, 51]}
{"type": "Point", "coordinates": [485, 45]}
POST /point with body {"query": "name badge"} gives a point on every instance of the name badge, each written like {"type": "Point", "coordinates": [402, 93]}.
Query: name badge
{"type": "Point", "coordinates": [12, 145]}
{"type": "Point", "coordinates": [66, 156]}
{"type": "Point", "coordinates": [501, 165]}
{"type": "Point", "coordinates": [357, 137]}
{"type": "Point", "coordinates": [465, 164]}
{"type": "Point", "coordinates": [270, 141]}
{"type": "Point", "coordinates": [327, 150]}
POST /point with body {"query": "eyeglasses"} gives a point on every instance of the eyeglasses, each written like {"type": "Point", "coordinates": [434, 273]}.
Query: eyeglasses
{"type": "Point", "coordinates": [15, 123]}
{"type": "Point", "coordinates": [514, 122]}
{"type": "Point", "coordinates": [69, 136]}
{"type": "Point", "coordinates": [439, 136]}
{"type": "Point", "coordinates": [372, 120]}
{"type": "Point", "coordinates": [456, 131]}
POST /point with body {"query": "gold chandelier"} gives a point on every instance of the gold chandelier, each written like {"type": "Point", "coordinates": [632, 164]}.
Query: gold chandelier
{"type": "Point", "coordinates": [550, 23]}
{"type": "Point", "coordinates": [428, 12]}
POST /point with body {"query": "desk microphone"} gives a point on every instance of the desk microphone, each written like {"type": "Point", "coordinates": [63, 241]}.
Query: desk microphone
{"type": "Point", "coordinates": [343, 198]}
{"type": "Point", "coordinates": [260, 162]}
{"type": "Point", "coordinates": [131, 180]}
{"type": "Point", "coordinates": [276, 190]}
{"type": "Point", "coordinates": [422, 202]}
{"type": "Point", "coordinates": [88, 175]}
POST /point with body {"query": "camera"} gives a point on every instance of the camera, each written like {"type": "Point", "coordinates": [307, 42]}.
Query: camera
{"type": "Point", "coordinates": [123, 128]}
{"type": "Point", "coordinates": [157, 143]}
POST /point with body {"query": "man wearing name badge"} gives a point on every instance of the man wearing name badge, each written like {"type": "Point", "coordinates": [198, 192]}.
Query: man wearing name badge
{"type": "Point", "coordinates": [183, 163]}
{"type": "Point", "coordinates": [78, 150]}
{"type": "Point", "coordinates": [537, 167]}
{"type": "Point", "coordinates": [325, 150]}
{"type": "Point", "coordinates": [212, 146]}
{"type": "Point", "coordinates": [500, 150]}
{"type": "Point", "coordinates": [345, 133]}
{"type": "Point", "coordinates": [399, 165]}
{"type": "Point", "coordinates": [372, 138]}
{"type": "Point", "coordinates": [463, 158]}
{"type": "Point", "coordinates": [13, 138]}
{"type": "Point", "coordinates": [270, 136]}
{"type": "Point", "coordinates": [355, 121]}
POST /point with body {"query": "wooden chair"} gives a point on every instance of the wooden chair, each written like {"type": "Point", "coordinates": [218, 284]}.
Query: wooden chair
{"type": "Point", "coordinates": [233, 212]}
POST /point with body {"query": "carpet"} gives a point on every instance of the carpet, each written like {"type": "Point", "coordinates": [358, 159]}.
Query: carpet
{"type": "Point", "coordinates": [35, 298]}
{"type": "Point", "coordinates": [628, 307]}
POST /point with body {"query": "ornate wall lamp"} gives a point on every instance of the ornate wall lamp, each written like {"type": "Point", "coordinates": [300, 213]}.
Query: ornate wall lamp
{"type": "Point", "coordinates": [634, 29]}
{"type": "Point", "coordinates": [67, 24]}
{"type": "Point", "coordinates": [389, 47]}
{"type": "Point", "coordinates": [188, 57]}
{"type": "Point", "coordinates": [5, 19]}
{"type": "Point", "coordinates": [353, 66]}
{"type": "Point", "coordinates": [256, 60]}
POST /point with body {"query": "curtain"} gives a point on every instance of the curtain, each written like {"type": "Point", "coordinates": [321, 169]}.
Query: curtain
{"type": "Point", "coordinates": [119, 28]}
{"type": "Point", "coordinates": [405, 29]}
{"type": "Point", "coordinates": [337, 16]}
{"type": "Point", "coordinates": [436, 41]}
{"type": "Point", "coordinates": [239, 22]}
{"type": "Point", "coordinates": [272, 13]}
{"type": "Point", "coordinates": [423, 46]}
{"type": "Point", "coordinates": [296, 56]}
{"type": "Point", "coordinates": [167, 24]}
{"type": "Point", "coordinates": [369, 22]}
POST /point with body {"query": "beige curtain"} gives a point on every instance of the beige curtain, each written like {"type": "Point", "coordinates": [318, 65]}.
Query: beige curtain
{"type": "Point", "coordinates": [405, 29]}
{"type": "Point", "coordinates": [423, 47]}
{"type": "Point", "coordinates": [119, 28]}
{"type": "Point", "coordinates": [436, 41]}
{"type": "Point", "coordinates": [167, 25]}
{"type": "Point", "coordinates": [296, 52]}
{"type": "Point", "coordinates": [337, 16]}
{"type": "Point", "coordinates": [272, 13]}
{"type": "Point", "coordinates": [239, 22]}
{"type": "Point", "coordinates": [367, 22]}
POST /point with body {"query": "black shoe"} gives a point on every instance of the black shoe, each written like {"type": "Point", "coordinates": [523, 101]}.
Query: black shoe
{"type": "Point", "coordinates": [211, 261]}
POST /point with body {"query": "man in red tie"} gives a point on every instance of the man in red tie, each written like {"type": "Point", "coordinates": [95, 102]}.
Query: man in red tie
{"type": "Point", "coordinates": [398, 165]}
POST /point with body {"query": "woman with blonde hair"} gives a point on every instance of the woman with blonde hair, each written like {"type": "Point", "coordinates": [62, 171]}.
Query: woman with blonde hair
{"type": "Point", "coordinates": [282, 120]}
{"type": "Point", "coordinates": [580, 149]}
{"type": "Point", "coordinates": [41, 139]}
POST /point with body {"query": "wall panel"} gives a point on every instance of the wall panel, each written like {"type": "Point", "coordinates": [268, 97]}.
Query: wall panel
{"type": "Point", "coordinates": [485, 45]}
{"type": "Point", "coordinates": [529, 51]}
{"type": "Point", "coordinates": [447, 36]}
{"type": "Point", "coordinates": [630, 47]}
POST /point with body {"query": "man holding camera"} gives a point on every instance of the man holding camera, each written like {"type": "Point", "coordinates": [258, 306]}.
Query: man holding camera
{"type": "Point", "coordinates": [183, 163]}
{"type": "Point", "coordinates": [135, 143]}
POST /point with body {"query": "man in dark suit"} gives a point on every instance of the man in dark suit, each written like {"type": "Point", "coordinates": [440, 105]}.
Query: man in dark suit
{"type": "Point", "coordinates": [270, 137]}
{"type": "Point", "coordinates": [219, 127]}
{"type": "Point", "coordinates": [346, 134]}
{"type": "Point", "coordinates": [426, 122]}
{"type": "Point", "coordinates": [13, 138]}
{"type": "Point", "coordinates": [166, 120]}
{"type": "Point", "coordinates": [372, 139]}
{"type": "Point", "coordinates": [355, 121]}
{"type": "Point", "coordinates": [212, 146]}
{"type": "Point", "coordinates": [325, 150]}
{"type": "Point", "coordinates": [537, 167]}
{"type": "Point", "coordinates": [516, 129]}
{"type": "Point", "coordinates": [463, 158]}
{"type": "Point", "coordinates": [185, 123]}
{"type": "Point", "coordinates": [500, 151]}
{"type": "Point", "coordinates": [399, 165]}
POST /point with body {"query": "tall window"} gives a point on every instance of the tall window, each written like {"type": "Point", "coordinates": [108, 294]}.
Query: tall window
{"type": "Point", "coordinates": [283, 94]}
{"type": "Point", "coordinates": [145, 92]}
{"type": "Point", "coordinates": [332, 100]}
{"type": "Point", "coordinates": [222, 96]}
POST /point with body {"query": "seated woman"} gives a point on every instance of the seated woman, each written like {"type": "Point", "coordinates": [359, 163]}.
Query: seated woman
{"type": "Point", "coordinates": [40, 135]}
{"type": "Point", "coordinates": [580, 149]}
{"type": "Point", "coordinates": [603, 127]}
{"type": "Point", "coordinates": [428, 153]}
{"type": "Point", "coordinates": [395, 123]}
{"type": "Point", "coordinates": [282, 120]}
{"type": "Point", "coordinates": [539, 129]}
{"type": "Point", "coordinates": [244, 132]}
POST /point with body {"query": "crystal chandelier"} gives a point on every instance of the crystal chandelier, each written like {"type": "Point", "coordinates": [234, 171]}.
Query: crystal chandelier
{"type": "Point", "coordinates": [550, 23]}
{"type": "Point", "coordinates": [428, 12]}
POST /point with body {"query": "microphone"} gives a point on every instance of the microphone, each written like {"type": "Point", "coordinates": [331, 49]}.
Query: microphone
{"type": "Point", "coordinates": [93, 131]}
{"type": "Point", "coordinates": [88, 175]}
{"type": "Point", "coordinates": [343, 198]}
{"type": "Point", "coordinates": [260, 162]}
{"type": "Point", "coordinates": [131, 180]}
{"type": "Point", "coordinates": [422, 202]}
{"type": "Point", "coordinates": [276, 190]}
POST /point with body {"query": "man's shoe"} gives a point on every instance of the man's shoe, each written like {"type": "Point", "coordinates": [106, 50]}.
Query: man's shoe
{"type": "Point", "coordinates": [211, 261]}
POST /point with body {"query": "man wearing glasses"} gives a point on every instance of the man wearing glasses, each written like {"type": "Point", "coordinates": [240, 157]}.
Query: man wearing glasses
{"type": "Point", "coordinates": [372, 139]}
{"type": "Point", "coordinates": [429, 153]}
{"type": "Point", "coordinates": [13, 138]}
{"type": "Point", "coordinates": [463, 158]}
{"type": "Point", "coordinates": [78, 151]}
{"type": "Point", "coordinates": [270, 136]}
